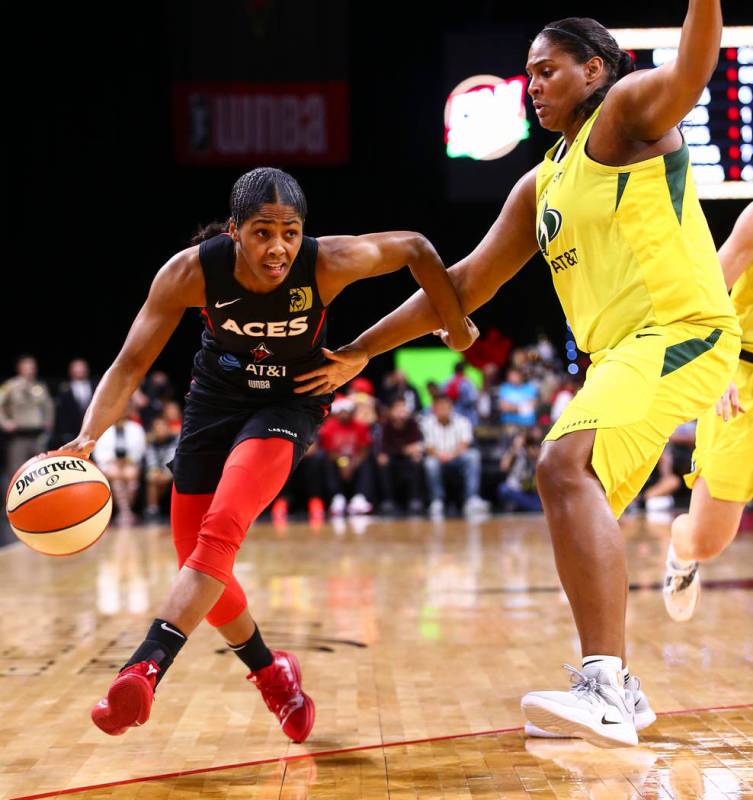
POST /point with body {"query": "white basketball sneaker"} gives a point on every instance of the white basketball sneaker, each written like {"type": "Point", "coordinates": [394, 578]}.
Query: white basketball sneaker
{"type": "Point", "coordinates": [597, 708]}
{"type": "Point", "coordinates": [644, 714]}
{"type": "Point", "coordinates": [682, 590]}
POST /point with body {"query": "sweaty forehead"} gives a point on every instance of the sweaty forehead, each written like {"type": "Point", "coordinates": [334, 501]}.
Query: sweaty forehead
{"type": "Point", "coordinates": [276, 212]}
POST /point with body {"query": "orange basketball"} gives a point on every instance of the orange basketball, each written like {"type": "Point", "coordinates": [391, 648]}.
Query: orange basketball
{"type": "Point", "coordinates": [58, 503]}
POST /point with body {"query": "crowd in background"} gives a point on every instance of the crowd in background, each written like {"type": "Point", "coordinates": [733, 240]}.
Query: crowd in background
{"type": "Point", "coordinates": [468, 448]}
{"type": "Point", "coordinates": [133, 454]}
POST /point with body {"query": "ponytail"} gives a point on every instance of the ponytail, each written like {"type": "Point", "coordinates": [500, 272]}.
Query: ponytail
{"type": "Point", "coordinates": [205, 232]}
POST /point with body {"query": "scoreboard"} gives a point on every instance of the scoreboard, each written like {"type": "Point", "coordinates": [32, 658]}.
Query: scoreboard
{"type": "Point", "coordinates": [719, 130]}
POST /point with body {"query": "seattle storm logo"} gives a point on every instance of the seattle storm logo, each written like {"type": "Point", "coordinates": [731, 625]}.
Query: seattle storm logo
{"type": "Point", "coordinates": [550, 224]}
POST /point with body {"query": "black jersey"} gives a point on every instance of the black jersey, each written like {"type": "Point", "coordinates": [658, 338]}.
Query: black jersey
{"type": "Point", "coordinates": [255, 344]}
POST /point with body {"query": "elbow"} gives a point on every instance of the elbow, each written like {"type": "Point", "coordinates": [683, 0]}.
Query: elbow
{"type": "Point", "coordinates": [418, 247]}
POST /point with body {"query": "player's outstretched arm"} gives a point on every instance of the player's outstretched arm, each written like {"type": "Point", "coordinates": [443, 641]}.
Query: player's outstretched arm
{"type": "Point", "coordinates": [649, 103]}
{"type": "Point", "coordinates": [343, 260]}
{"type": "Point", "coordinates": [508, 245]}
{"type": "Point", "coordinates": [178, 285]}
{"type": "Point", "coordinates": [736, 254]}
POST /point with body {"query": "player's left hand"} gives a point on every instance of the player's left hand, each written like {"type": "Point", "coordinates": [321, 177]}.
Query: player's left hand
{"type": "Point", "coordinates": [729, 404]}
{"type": "Point", "coordinates": [460, 340]}
{"type": "Point", "coordinates": [344, 364]}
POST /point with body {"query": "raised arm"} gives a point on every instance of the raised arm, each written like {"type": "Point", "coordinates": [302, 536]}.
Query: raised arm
{"type": "Point", "coordinates": [343, 260]}
{"type": "Point", "coordinates": [178, 285]}
{"type": "Point", "coordinates": [649, 103]}
{"type": "Point", "coordinates": [736, 254]}
{"type": "Point", "coordinates": [509, 244]}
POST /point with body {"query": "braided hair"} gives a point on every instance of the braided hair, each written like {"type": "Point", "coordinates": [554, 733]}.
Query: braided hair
{"type": "Point", "coordinates": [583, 38]}
{"type": "Point", "coordinates": [253, 190]}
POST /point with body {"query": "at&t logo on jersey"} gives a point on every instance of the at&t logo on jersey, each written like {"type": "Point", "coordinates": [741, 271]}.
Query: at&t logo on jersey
{"type": "Point", "coordinates": [286, 327]}
{"type": "Point", "coordinates": [550, 224]}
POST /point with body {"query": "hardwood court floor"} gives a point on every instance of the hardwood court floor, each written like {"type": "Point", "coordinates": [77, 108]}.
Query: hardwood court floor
{"type": "Point", "coordinates": [407, 631]}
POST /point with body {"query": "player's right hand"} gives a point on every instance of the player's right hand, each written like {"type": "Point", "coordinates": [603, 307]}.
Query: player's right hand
{"type": "Point", "coordinates": [729, 404]}
{"type": "Point", "coordinates": [343, 365]}
{"type": "Point", "coordinates": [81, 446]}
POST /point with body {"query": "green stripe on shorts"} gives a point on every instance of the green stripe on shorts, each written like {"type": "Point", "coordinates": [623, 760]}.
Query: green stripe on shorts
{"type": "Point", "coordinates": [678, 355]}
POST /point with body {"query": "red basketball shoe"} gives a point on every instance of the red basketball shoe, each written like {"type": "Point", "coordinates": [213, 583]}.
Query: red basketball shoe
{"type": "Point", "coordinates": [280, 686]}
{"type": "Point", "coordinates": [129, 699]}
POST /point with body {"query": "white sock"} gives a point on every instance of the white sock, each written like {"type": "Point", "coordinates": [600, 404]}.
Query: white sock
{"type": "Point", "coordinates": [611, 666]}
{"type": "Point", "coordinates": [676, 561]}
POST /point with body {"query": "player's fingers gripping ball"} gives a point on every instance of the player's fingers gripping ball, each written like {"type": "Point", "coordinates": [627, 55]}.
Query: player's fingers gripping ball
{"type": "Point", "coordinates": [58, 503]}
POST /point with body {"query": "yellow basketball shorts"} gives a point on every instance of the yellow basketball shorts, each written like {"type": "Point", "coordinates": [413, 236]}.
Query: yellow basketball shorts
{"type": "Point", "coordinates": [639, 391]}
{"type": "Point", "coordinates": [723, 453]}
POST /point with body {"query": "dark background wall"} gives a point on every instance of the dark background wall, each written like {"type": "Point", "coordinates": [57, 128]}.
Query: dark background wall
{"type": "Point", "coordinates": [94, 201]}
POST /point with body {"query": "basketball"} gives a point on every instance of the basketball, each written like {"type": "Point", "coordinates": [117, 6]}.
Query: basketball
{"type": "Point", "coordinates": [58, 503]}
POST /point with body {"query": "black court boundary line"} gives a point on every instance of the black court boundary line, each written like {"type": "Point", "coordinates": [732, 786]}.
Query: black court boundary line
{"type": "Point", "coordinates": [324, 753]}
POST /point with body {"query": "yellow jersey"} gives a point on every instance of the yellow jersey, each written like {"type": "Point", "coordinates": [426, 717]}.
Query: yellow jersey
{"type": "Point", "coordinates": [628, 247]}
{"type": "Point", "coordinates": [742, 299]}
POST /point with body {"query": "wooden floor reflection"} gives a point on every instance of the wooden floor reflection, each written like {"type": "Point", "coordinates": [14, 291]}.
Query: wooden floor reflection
{"type": "Point", "coordinates": [406, 631]}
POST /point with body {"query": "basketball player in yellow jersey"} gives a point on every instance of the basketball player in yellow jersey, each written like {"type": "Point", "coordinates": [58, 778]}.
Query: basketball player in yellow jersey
{"type": "Point", "coordinates": [614, 211]}
{"type": "Point", "coordinates": [722, 476]}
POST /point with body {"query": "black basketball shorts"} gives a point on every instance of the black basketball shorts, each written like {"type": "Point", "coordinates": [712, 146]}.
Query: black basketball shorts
{"type": "Point", "coordinates": [211, 429]}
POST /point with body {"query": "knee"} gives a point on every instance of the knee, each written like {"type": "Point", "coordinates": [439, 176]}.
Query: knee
{"type": "Point", "coordinates": [224, 525]}
{"type": "Point", "coordinates": [557, 470]}
{"type": "Point", "coordinates": [701, 542]}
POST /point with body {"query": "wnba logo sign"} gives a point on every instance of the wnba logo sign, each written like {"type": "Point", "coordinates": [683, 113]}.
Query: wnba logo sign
{"type": "Point", "coordinates": [550, 224]}
{"type": "Point", "coordinates": [485, 117]}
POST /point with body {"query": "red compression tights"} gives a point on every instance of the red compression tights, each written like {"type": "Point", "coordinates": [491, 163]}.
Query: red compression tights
{"type": "Point", "coordinates": [208, 528]}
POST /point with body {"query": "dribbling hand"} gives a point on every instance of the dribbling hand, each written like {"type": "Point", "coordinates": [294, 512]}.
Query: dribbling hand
{"type": "Point", "coordinates": [462, 340]}
{"type": "Point", "coordinates": [81, 447]}
{"type": "Point", "coordinates": [344, 364]}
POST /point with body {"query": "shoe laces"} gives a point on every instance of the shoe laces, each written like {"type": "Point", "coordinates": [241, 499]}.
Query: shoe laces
{"type": "Point", "coordinates": [679, 581]}
{"type": "Point", "coordinates": [589, 687]}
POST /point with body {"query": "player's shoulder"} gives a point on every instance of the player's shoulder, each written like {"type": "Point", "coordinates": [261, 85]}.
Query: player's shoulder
{"type": "Point", "coordinates": [181, 279]}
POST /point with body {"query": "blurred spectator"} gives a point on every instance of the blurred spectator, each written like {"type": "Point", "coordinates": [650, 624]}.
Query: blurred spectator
{"type": "Point", "coordinates": [73, 398]}
{"type": "Point", "coordinates": [396, 384]}
{"type": "Point", "coordinates": [160, 449]}
{"type": "Point", "coordinates": [487, 399]}
{"type": "Point", "coordinates": [561, 398]}
{"type": "Point", "coordinates": [361, 384]}
{"type": "Point", "coordinates": [434, 391]}
{"type": "Point", "coordinates": [361, 392]}
{"type": "Point", "coordinates": [463, 394]}
{"type": "Point", "coordinates": [155, 392]}
{"type": "Point", "coordinates": [26, 414]}
{"type": "Point", "coordinates": [119, 453]}
{"type": "Point", "coordinates": [399, 458]}
{"type": "Point", "coordinates": [517, 400]}
{"type": "Point", "coordinates": [173, 416]}
{"type": "Point", "coordinates": [545, 349]}
{"type": "Point", "coordinates": [518, 490]}
{"type": "Point", "coordinates": [346, 442]}
{"type": "Point", "coordinates": [447, 438]}
{"type": "Point", "coordinates": [492, 347]}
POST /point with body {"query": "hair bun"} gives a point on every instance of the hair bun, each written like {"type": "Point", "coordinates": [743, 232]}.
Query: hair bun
{"type": "Point", "coordinates": [626, 65]}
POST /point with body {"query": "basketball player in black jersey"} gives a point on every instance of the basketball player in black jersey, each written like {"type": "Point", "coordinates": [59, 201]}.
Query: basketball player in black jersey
{"type": "Point", "coordinates": [264, 289]}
